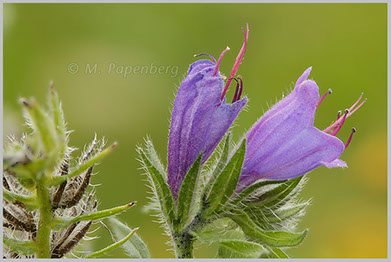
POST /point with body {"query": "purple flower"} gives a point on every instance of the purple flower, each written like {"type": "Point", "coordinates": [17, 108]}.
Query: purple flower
{"type": "Point", "coordinates": [201, 116]}
{"type": "Point", "coordinates": [284, 143]}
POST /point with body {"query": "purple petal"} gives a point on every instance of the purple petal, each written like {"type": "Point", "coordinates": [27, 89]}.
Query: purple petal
{"type": "Point", "coordinates": [198, 123]}
{"type": "Point", "coordinates": [335, 163]}
{"type": "Point", "coordinates": [285, 144]}
{"type": "Point", "coordinates": [303, 77]}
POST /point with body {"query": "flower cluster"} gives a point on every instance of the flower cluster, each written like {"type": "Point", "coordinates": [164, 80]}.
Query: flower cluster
{"type": "Point", "coordinates": [241, 197]}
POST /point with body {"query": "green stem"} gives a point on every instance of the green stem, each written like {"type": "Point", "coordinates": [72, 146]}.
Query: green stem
{"type": "Point", "coordinates": [184, 245]}
{"type": "Point", "coordinates": [45, 218]}
{"type": "Point", "coordinates": [184, 241]}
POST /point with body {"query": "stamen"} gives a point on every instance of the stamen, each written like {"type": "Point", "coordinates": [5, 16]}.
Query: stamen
{"type": "Point", "coordinates": [350, 137]}
{"type": "Point", "coordinates": [210, 56]}
{"type": "Point", "coordinates": [339, 114]}
{"type": "Point", "coordinates": [238, 60]}
{"type": "Point", "coordinates": [241, 87]}
{"type": "Point", "coordinates": [334, 132]}
{"type": "Point", "coordinates": [236, 91]}
{"type": "Point", "coordinates": [218, 62]}
{"type": "Point", "coordinates": [336, 123]}
{"type": "Point", "coordinates": [321, 99]}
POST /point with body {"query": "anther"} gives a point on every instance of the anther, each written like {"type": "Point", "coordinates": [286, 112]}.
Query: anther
{"type": "Point", "coordinates": [339, 114]}
{"type": "Point", "coordinates": [321, 99]}
{"type": "Point", "coordinates": [219, 61]}
{"type": "Point", "coordinates": [350, 137]}
{"type": "Point", "coordinates": [210, 56]}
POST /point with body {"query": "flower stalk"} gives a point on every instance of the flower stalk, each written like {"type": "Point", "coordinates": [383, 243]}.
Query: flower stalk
{"type": "Point", "coordinates": [45, 218]}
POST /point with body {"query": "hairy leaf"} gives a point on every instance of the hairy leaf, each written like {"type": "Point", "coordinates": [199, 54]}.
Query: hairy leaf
{"type": "Point", "coordinates": [20, 246]}
{"type": "Point", "coordinates": [161, 188]}
{"type": "Point", "coordinates": [240, 249]}
{"type": "Point", "coordinates": [113, 246]}
{"type": "Point", "coordinates": [226, 182]}
{"type": "Point", "coordinates": [219, 167]}
{"type": "Point", "coordinates": [187, 192]}
{"type": "Point", "coordinates": [60, 222]}
{"type": "Point", "coordinates": [134, 247]}
{"type": "Point", "coordinates": [270, 238]}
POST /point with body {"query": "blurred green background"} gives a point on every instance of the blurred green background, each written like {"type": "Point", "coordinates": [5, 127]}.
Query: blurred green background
{"type": "Point", "coordinates": [345, 43]}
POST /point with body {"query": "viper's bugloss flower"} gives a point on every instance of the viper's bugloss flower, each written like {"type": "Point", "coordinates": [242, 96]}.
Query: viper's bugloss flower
{"type": "Point", "coordinates": [284, 143]}
{"type": "Point", "coordinates": [201, 116]}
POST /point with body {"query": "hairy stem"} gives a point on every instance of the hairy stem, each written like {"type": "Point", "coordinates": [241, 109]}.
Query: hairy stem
{"type": "Point", "coordinates": [184, 245]}
{"type": "Point", "coordinates": [184, 241]}
{"type": "Point", "coordinates": [45, 218]}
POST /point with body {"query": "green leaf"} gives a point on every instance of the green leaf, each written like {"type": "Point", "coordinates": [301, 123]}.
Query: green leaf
{"type": "Point", "coordinates": [187, 192]}
{"type": "Point", "coordinates": [240, 249]}
{"type": "Point", "coordinates": [285, 213]}
{"type": "Point", "coordinates": [276, 195]}
{"type": "Point", "coordinates": [113, 246]}
{"type": "Point", "coordinates": [134, 247]}
{"type": "Point", "coordinates": [58, 115]}
{"type": "Point", "coordinates": [42, 124]}
{"type": "Point", "coordinates": [161, 189]}
{"type": "Point", "coordinates": [249, 190]}
{"type": "Point", "coordinates": [270, 238]}
{"type": "Point", "coordinates": [58, 180]}
{"type": "Point", "coordinates": [29, 201]}
{"type": "Point", "coordinates": [275, 252]}
{"type": "Point", "coordinates": [226, 182]}
{"type": "Point", "coordinates": [60, 222]}
{"type": "Point", "coordinates": [21, 247]}
{"type": "Point", "coordinates": [154, 158]}
{"type": "Point", "coordinates": [219, 167]}
{"type": "Point", "coordinates": [209, 237]}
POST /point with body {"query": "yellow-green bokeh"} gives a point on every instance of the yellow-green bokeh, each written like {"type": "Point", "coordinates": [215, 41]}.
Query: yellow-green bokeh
{"type": "Point", "coordinates": [345, 43]}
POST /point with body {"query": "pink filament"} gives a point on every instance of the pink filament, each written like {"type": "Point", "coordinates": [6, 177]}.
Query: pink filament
{"type": "Point", "coordinates": [351, 111]}
{"type": "Point", "coordinates": [321, 99]}
{"type": "Point", "coordinates": [219, 61]}
{"type": "Point", "coordinates": [350, 137]}
{"type": "Point", "coordinates": [238, 60]}
{"type": "Point", "coordinates": [336, 130]}
{"type": "Point", "coordinates": [358, 100]}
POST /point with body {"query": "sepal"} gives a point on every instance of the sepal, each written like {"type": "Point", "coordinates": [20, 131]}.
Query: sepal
{"type": "Point", "coordinates": [225, 184]}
